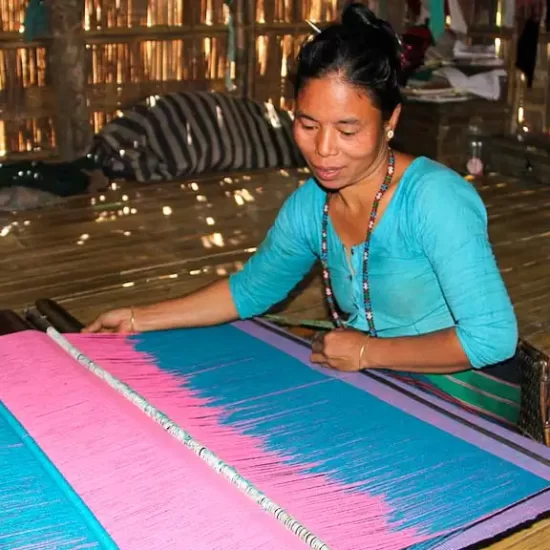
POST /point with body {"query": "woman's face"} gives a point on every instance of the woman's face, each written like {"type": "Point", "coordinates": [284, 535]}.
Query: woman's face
{"type": "Point", "coordinates": [339, 131]}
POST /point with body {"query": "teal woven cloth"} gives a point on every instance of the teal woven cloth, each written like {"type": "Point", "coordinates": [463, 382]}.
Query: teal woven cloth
{"type": "Point", "coordinates": [37, 23]}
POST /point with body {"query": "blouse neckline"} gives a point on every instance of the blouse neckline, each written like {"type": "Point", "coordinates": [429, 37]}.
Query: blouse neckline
{"type": "Point", "coordinates": [391, 206]}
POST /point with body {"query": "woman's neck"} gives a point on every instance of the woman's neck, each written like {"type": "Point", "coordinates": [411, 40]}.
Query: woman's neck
{"type": "Point", "coordinates": [360, 194]}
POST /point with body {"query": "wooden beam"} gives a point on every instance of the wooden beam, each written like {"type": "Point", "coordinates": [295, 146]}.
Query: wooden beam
{"type": "Point", "coordinates": [238, 7]}
{"type": "Point", "coordinates": [249, 17]}
{"type": "Point", "coordinates": [67, 65]}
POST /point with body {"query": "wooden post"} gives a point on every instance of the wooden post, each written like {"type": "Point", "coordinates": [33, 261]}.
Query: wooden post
{"type": "Point", "coordinates": [297, 16]}
{"type": "Point", "coordinates": [515, 87]}
{"type": "Point", "coordinates": [249, 18]}
{"type": "Point", "coordinates": [68, 68]}
{"type": "Point", "coordinates": [242, 45]}
{"type": "Point", "coordinates": [468, 10]}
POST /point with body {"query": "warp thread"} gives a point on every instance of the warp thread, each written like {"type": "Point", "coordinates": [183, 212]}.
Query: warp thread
{"type": "Point", "coordinates": [137, 482]}
{"type": "Point", "coordinates": [187, 439]}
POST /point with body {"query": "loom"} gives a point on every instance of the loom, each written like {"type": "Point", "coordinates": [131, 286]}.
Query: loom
{"type": "Point", "coordinates": [226, 437]}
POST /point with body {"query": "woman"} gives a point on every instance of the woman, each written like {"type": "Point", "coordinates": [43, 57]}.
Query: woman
{"type": "Point", "coordinates": [409, 273]}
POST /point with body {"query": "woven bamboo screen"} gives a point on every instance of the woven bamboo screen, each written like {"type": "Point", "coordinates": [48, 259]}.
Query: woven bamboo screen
{"type": "Point", "coordinates": [530, 107]}
{"type": "Point", "coordinates": [141, 47]}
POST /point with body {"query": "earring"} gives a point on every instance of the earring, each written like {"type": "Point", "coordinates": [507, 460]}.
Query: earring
{"type": "Point", "coordinates": [390, 134]}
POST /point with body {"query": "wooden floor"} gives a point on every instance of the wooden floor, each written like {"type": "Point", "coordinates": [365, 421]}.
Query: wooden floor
{"type": "Point", "coordinates": [137, 244]}
{"type": "Point", "coordinates": [140, 244]}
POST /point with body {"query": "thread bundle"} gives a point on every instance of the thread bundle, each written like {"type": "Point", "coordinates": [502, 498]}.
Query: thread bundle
{"type": "Point", "coordinates": [141, 486]}
{"type": "Point", "coordinates": [339, 514]}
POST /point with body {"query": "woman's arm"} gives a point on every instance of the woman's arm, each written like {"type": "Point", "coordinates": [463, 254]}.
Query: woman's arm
{"type": "Point", "coordinates": [351, 350]}
{"type": "Point", "coordinates": [280, 263]}
{"type": "Point", "coordinates": [208, 306]}
{"type": "Point", "coordinates": [435, 353]}
{"type": "Point", "coordinates": [283, 260]}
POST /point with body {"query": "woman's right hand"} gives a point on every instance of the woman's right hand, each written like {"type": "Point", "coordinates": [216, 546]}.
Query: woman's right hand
{"type": "Point", "coordinates": [116, 320]}
{"type": "Point", "coordinates": [212, 305]}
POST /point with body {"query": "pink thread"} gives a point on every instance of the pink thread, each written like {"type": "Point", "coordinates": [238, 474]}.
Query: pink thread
{"type": "Point", "coordinates": [146, 489]}
{"type": "Point", "coordinates": [344, 519]}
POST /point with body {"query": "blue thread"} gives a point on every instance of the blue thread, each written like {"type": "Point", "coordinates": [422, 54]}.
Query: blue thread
{"type": "Point", "coordinates": [394, 454]}
{"type": "Point", "coordinates": [37, 505]}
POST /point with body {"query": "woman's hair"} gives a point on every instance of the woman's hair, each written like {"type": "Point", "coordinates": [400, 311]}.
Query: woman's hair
{"type": "Point", "coordinates": [363, 49]}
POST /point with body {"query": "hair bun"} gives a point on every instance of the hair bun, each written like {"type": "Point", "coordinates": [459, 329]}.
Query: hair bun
{"type": "Point", "coordinates": [358, 17]}
{"type": "Point", "coordinates": [361, 21]}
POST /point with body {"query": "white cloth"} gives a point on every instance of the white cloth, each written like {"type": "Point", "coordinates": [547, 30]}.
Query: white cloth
{"type": "Point", "coordinates": [485, 85]}
{"type": "Point", "coordinates": [509, 17]}
{"type": "Point", "coordinates": [458, 22]}
{"type": "Point", "coordinates": [463, 51]}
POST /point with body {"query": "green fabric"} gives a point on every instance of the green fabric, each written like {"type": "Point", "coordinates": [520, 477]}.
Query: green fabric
{"type": "Point", "coordinates": [36, 23]}
{"type": "Point", "coordinates": [489, 396]}
{"type": "Point", "coordinates": [437, 18]}
{"type": "Point", "coordinates": [488, 384]}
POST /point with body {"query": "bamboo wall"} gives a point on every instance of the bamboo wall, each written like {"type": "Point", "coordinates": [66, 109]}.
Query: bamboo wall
{"type": "Point", "coordinates": [530, 107]}
{"type": "Point", "coordinates": [137, 48]}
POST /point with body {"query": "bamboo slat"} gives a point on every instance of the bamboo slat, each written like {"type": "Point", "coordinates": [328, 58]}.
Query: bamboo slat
{"type": "Point", "coordinates": [153, 47]}
{"type": "Point", "coordinates": [140, 47]}
{"type": "Point", "coordinates": [213, 222]}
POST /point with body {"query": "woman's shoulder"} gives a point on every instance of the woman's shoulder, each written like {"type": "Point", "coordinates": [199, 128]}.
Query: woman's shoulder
{"type": "Point", "coordinates": [304, 199]}
{"type": "Point", "coordinates": [430, 185]}
{"type": "Point", "coordinates": [301, 212]}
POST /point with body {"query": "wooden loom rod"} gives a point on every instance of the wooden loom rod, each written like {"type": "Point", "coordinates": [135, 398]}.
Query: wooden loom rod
{"type": "Point", "coordinates": [176, 431]}
{"type": "Point", "coordinates": [58, 317]}
{"type": "Point", "coordinates": [10, 322]}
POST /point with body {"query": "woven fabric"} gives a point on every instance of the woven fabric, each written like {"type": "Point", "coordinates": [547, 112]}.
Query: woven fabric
{"type": "Point", "coordinates": [477, 391]}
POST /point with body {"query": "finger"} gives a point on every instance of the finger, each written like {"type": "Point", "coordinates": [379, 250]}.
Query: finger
{"type": "Point", "coordinates": [94, 327]}
{"type": "Point", "coordinates": [318, 337]}
{"type": "Point", "coordinates": [337, 365]}
{"type": "Point", "coordinates": [317, 346]}
{"type": "Point", "coordinates": [342, 365]}
{"type": "Point", "coordinates": [318, 342]}
{"type": "Point", "coordinates": [318, 358]}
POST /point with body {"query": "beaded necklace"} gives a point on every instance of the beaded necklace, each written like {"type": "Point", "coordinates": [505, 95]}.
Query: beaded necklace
{"type": "Point", "coordinates": [324, 252]}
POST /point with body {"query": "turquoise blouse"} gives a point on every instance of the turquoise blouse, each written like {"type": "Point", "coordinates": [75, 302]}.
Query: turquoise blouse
{"type": "Point", "coordinates": [431, 266]}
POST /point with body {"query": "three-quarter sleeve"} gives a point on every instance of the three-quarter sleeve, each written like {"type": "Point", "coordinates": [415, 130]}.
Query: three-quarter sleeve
{"type": "Point", "coordinates": [452, 228]}
{"type": "Point", "coordinates": [283, 259]}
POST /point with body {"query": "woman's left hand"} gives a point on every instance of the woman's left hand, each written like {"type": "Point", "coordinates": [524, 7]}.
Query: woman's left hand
{"type": "Point", "coordinates": [340, 349]}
